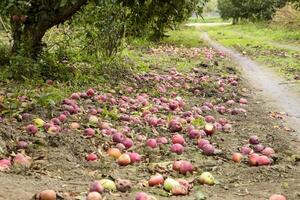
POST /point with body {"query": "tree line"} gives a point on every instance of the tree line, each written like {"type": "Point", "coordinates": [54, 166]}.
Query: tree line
{"type": "Point", "coordinates": [251, 9]}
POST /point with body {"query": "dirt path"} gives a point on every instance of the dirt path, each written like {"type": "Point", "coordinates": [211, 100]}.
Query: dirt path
{"type": "Point", "coordinates": [282, 97]}
{"type": "Point", "coordinates": [208, 24]}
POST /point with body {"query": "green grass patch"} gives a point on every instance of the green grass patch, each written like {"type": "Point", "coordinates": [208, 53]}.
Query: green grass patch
{"type": "Point", "coordinates": [185, 36]}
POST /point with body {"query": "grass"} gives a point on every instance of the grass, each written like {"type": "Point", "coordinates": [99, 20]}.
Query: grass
{"type": "Point", "coordinates": [144, 61]}
{"type": "Point", "coordinates": [257, 31]}
{"type": "Point", "coordinates": [272, 45]}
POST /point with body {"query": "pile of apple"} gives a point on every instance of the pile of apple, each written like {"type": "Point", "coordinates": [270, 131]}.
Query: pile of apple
{"type": "Point", "coordinates": [256, 152]}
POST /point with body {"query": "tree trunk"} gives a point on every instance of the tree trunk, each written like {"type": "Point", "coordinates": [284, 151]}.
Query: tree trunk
{"type": "Point", "coordinates": [28, 32]}
{"type": "Point", "coordinates": [235, 20]}
{"type": "Point", "coordinates": [27, 40]}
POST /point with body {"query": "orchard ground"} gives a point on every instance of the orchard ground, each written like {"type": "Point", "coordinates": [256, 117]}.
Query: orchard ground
{"type": "Point", "coordinates": [59, 159]}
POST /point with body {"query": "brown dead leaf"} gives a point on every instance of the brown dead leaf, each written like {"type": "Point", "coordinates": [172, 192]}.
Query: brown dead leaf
{"type": "Point", "coordinates": [288, 129]}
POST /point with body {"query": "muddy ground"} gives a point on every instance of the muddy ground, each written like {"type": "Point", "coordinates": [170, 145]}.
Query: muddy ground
{"type": "Point", "coordinates": [59, 160]}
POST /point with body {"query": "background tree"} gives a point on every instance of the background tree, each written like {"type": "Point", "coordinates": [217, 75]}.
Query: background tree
{"type": "Point", "coordinates": [156, 16]}
{"type": "Point", "coordinates": [106, 34]}
{"type": "Point", "coordinates": [249, 9]}
{"type": "Point", "coordinates": [211, 8]}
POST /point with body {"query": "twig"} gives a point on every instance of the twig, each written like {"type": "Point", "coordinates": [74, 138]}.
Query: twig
{"type": "Point", "coordinates": [2, 22]}
{"type": "Point", "coordinates": [289, 82]}
{"type": "Point", "coordinates": [242, 194]}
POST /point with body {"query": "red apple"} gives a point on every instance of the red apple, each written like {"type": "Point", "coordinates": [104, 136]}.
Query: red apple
{"type": "Point", "coordinates": [90, 92]}
{"type": "Point", "coordinates": [237, 157]}
{"type": "Point", "coordinates": [31, 129]}
{"type": "Point", "coordinates": [91, 157]}
{"type": "Point", "coordinates": [152, 143]}
{"type": "Point", "coordinates": [124, 159]}
{"type": "Point", "coordinates": [178, 139]}
{"type": "Point", "coordinates": [209, 129]}
{"type": "Point", "coordinates": [177, 148]}
{"type": "Point", "coordinates": [156, 180]}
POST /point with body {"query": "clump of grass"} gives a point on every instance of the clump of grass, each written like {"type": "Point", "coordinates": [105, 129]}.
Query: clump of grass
{"type": "Point", "coordinates": [287, 16]}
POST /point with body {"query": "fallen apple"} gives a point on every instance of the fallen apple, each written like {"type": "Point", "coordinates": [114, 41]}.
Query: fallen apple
{"type": "Point", "coordinates": [246, 150]}
{"type": "Point", "coordinates": [156, 180]}
{"type": "Point", "coordinates": [74, 125]}
{"type": "Point", "coordinates": [134, 157]}
{"type": "Point", "coordinates": [47, 195]}
{"type": "Point", "coordinates": [186, 167]}
{"type": "Point", "coordinates": [237, 157]}
{"type": "Point", "coordinates": [177, 148]}
{"type": "Point", "coordinates": [268, 151]}
{"type": "Point", "coordinates": [263, 160]}
{"type": "Point", "coordinates": [38, 122]}
{"type": "Point", "coordinates": [96, 186]}
{"type": "Point", "coordinates": [208, 149]}
{"type": "Point", "coordinates": [91, 157]}
{"type": "Point", "coordinates": [206, 178]}
{"type": "Point", "coordinates": [124, 159]}
{"type": "Point", "coordinates": [114, 152]}
{"type": "Point", "coordinates": [142, 196]}
{"type": "Point", "coordinates": [277, 197]}
{"type": "Point", "coordinates": [178, 139]}
{"type": "Point", "coordinates": [89, 132]}
{"type": "Point", "coordinates": [123, 185]}
{"type": "Point", "coordinates": [108, 184]}
{"type": "Point", "coordinates": [254, 140]}
{"type": "Point", "coordinates": [170, 183]}
{"type": "Point", "coordinates": [31, 129]}
{"type": "Point", "coordinates": [93, 196]}
{"type": "Point", "coordinates": [209, 129]}
{"type": "Point", "coordinates": [179, 191]}
{"type": "Point", "coordinates": [152, 143]}
{"type": "Point", "coordinates": [22, 160]}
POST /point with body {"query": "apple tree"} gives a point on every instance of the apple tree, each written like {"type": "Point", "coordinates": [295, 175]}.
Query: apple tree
{"type": "Point", "coordinates": [29, 20]}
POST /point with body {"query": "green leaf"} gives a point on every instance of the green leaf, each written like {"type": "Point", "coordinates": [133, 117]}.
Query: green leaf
{"type": "Point", "coordinates": [199, 122]}
{"type": "Point", "coordinates": [63, 3]}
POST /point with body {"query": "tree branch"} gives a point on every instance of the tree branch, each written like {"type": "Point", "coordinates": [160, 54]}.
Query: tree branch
{"type": "Point", "coordinates": [64, 13]}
